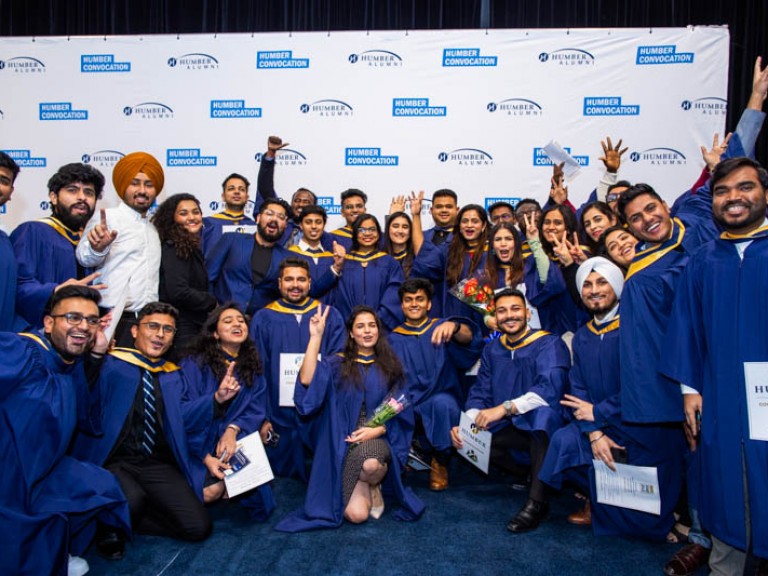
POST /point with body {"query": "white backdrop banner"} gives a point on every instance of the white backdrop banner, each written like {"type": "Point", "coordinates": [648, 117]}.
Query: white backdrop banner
{"type": "Point", "coordinates": [387, 112]}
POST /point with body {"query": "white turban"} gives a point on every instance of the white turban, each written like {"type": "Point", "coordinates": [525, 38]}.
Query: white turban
{"type": "Point", "coordinates": [606, 269]}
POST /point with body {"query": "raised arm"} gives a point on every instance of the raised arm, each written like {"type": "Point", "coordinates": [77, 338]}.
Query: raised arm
{"type": "Point", "coordinates": [316, 330]}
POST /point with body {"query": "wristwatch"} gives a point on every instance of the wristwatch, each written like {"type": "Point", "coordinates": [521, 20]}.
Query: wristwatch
{"type": "Point", "coordinates": [508, 408]}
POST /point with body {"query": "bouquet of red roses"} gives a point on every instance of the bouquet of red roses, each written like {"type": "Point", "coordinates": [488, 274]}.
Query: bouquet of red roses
{"type": "Point", "coordinates": [477, 292]}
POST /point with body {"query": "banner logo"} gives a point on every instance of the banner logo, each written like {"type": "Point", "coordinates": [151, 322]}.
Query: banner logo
{"type": "Point", "coordinates": [540, 157]}
{"type": "Point", "coordinates": [217, 205]}
{"type": "Point", "coordinates": [467, 57]}
{"type": "Point", "coordinates": [25, 159]}
{"type": "Point", "coordinates": [568, 57]}
{"type": "Point", "coordinates": [516, 107]}
{"type": "Point", "coordinates": [102, 158]}
{"type": "Point", "coordinates": [377, 59]}
{"type": "Point", "coordinates": [194, 61]}
{"type": "Point", "coordinates": [509, 200]}
{"type": "Point", "coordinates": [233, 109]}
{"type": "Point", "coordinates": [102, 63]}
{"type": "Point", "coordinates": [23, 65]}
{"type": "Point", "coordinates": [666, 54]}
{"type": "Point", "coordinates": [707, 106]}
{"type": "Point", "coordinates": [61, 111]}
{"type": "Point", "coordinates": [659, 157]}
{"type": "Point", "coordinates": [466, 157]}
{"type": "Point", "coordinates": [149, 111]}
{"type": "Point", "coordinates": [368, 157]}
{"type": "Point", "coordinates": [416, 107]}
{"type": "Point", "coordinates": [609, 106]}
{"type": "Point", "coordinates": [327, 202]}
{"type": "Point", "coordinates": [281, 59]}
{"type": "Point", "coordinates": [188, 157]}
{"type": "Point", "coordinates": [286, 157]}
{"type": "Point", "coordinates": [327, 108]}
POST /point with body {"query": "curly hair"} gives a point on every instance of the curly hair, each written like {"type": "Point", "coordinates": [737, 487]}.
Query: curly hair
{"type": "Point", "coordinates": [517, 264]}
{"type": "Point", "coordinates": [169, 231]}
{"type": "Point", "coordinates": [387, 361]}
{"type": "Point", "coordinates": [459, 246]}
{"type": "Point", "coordinates": [206, 350]}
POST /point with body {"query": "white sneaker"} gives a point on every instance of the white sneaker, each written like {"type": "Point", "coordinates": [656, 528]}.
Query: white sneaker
{"type": "Point", "coordinates": [77, 566]}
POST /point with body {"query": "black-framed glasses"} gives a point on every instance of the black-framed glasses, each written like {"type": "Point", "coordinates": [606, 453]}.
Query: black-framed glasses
{"type": "Point", "coordinates": [75, 318]}
{"type": "Point", "coordinates": [367, 230]}
{"type": "Point", "coordinates": [157, 327]}
{"type": "Point", "coordinates": [612, 197]}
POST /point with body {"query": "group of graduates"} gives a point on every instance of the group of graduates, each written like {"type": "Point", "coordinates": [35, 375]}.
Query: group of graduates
{"type": "Point", "coordinates": [140, 346]}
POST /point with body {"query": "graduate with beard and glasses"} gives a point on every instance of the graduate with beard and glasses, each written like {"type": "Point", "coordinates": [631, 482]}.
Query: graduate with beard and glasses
{"type": "Point", "coordinates": [48, 500]}
{"type": "Point", "coordinates": [715, 340]}
{"type": "Point", "coordinates": [45, 248]}
{"type": "Point", "coordinates": [232, 219]}
{"type": "Point", "coordinates": [281, 333]}
{"type": "Point", "coordinates": [435, 353]}
{"type": "Point", "coordinates": [244, 268]}
{"type": "Point", "coordinates": [598, 432]}
{"type": "Point", "coordinates": [148, 426]}
{"type": "Point", "coordinates": [9, 170]}
{"type": "Point", "coordinates": [521, 379]}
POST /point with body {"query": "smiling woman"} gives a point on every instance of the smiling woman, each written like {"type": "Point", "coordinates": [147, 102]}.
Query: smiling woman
{"type": "Point", "coordinates": [183, 279]}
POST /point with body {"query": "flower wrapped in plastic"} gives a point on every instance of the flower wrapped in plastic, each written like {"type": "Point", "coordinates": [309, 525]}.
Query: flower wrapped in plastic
{"type": "Point", "coordinates": [391, 406]}
{"type": "Point", "coordinates": [477, 292]}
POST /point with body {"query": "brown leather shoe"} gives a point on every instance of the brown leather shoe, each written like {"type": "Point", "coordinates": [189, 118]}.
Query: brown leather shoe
{"type": "Point", "coordinates": [687, 560]}
{"type": "Point", "coordinates": [438, 476]}
{"type": "Point", "coordinates": [581, 518]}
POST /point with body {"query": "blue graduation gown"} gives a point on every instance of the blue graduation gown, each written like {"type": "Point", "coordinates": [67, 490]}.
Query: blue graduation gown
{"type": "Point", "coordinates": [343, 236]}
{"type": "Point", "coordinates": [48, 500]}
{"type": "Point", "coordinates": [594, 378]}
{"type": "Point", "coordinates": [432, 374]}
{"type": "Point", "coordinates": [646, 303]}
{"type": "Point", "coordinates": [371, 279]}
{"type": "Point", "coordinates": [431, 263]}
{"type": "Point", "coordinates": [717, 324]}
{"type": "Point", "coordinates": [538, 362]}
{"type": "Point", "coordinates": [185, 421]}
{"type": "Point", "coordinates": [558, 312]}
{"type": "Point", "coordinates": [318, 271]}
{"type": "Point", "coordinates": [277, 330]}
{"type": "Point", "coordinates": [7, 283]}
{"type": "Point", "coordinates": [213, 227]}
{"type": "Point", "coordinates": [338, 405]}
{"type": "Point", "coordinates": [247, 410]}
{"type": "Point", "coordinates": [45, 255]}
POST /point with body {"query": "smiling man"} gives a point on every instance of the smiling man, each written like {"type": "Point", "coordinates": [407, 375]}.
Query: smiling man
{"type": "Point", "coordinates": [234, 194]}
{"type": "Point", "coordinates": [144, 443]}
{"type": "Point", "coordinates": [49, 500]}
{"type": "Point", "coordinates": [45, 248]}
{"type": "Point", "coordinates": [122, 244]}
{"type": "Point", "coordinates": [435, 353]}
{"type": "Point", "coordinates": [281, 333]}
{"type": "Point", "coordinates": [521, 380]}
{"type": "Point", "coordinates": [444, 210]}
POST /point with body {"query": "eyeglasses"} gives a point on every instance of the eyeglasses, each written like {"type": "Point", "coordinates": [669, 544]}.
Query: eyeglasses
{"type": "Point", "coordinates": [506, 216]}
{"type": "Point", "coordinates": [75, 318]}
{"type": "Point", "coordinates": [273, 214]}
{"type": "Point", "coordinates": [612, 197]}
{"type": "Point", "coordinates": [157, 327]}
{"type": "Point", "coordinates": [369, 230]}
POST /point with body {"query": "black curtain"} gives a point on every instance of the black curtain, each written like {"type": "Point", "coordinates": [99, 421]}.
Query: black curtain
{"type": "Point", "coordinates": [747, 20]}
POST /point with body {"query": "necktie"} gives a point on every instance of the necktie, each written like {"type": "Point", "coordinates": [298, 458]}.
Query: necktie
{"type": "Point", "coordinates": [150, 413]}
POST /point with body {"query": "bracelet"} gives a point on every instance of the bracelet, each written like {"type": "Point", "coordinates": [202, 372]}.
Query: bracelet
{"type": "Point", "coordinates": [234, 427]}
{"type": "Point", "coordinates": [596, 439]}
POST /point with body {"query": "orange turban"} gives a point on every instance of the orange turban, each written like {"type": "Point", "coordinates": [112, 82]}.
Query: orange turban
{"type": "Point", "coordinates": [130, 165]}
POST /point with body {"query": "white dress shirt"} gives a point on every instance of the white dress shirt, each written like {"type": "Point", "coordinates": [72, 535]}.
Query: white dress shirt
{"type": "Point", "coordinates": [132, 260]}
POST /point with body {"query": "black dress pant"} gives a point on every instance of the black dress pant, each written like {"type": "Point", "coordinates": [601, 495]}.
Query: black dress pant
{"type": "Point", "coordinates": [160, 499]}
{"type": "Point", "coordinates": [535, 443]}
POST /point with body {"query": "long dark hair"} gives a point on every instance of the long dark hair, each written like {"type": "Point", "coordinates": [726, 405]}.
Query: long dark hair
{"type": "Point", "coordinates": [407, 262]}
{"type": "Point", "coordinates": [606, 211]}
{"type": "Point", "coordinates": [493, 264]}
{"type": "Point", "coordinates": [356, 230]}
{"type": "Point", "coordinates": [387, 361]}
{"type": "Point", "coordinates": [459, 246]}
{"type": "Point", "coordinates": [169, 231]}
{"type": "Point", "coordinates": [206, 351]}
{"type": "Point", "coordinates": [569, 219]}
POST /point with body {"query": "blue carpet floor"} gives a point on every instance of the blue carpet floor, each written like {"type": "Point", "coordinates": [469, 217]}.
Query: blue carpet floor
{"type": "Point", "coordinates": [463, 531]}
